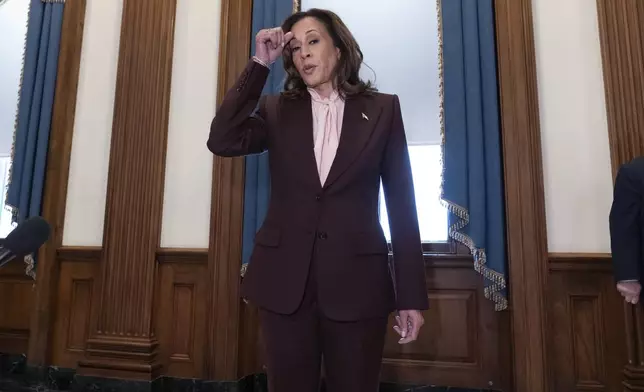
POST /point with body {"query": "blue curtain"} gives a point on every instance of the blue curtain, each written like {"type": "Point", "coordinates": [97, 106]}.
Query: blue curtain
{"type": "Point", "coordinates": [31, 143]}
{"type": "Point", "coordinates": [472, 158]}
{"type": "Point", "coordinates": [266, 14]}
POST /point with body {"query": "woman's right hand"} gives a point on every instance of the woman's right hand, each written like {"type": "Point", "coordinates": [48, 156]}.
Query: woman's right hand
{"type": "Point", "coordinates": [269, 44]}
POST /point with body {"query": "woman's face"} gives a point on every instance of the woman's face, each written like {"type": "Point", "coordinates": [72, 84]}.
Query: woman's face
{"type": "Point", "coordinates": [314, 55]}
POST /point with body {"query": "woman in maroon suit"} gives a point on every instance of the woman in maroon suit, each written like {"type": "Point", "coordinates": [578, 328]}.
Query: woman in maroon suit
{"type": "Point", "coordinates": [319, 271]}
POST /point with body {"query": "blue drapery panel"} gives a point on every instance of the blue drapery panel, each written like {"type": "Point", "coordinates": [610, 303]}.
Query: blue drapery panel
{"type": "Point", "coordinates": [473, 176]}
{"type": "Point", "coordinates": [266, 14]}
{"type": "Point", "coordinates": [36, 101]}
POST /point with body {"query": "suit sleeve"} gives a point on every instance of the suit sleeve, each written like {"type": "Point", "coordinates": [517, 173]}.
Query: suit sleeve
{"type": "Point", "coordinates": [409, 266]}
{"type": "Point", "coordinates": [238, 130]}
{"type": "Point", "coordinates": [626, 226]}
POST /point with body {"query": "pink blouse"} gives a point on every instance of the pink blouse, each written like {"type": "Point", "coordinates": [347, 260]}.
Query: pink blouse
{"type": "Point", "coordinates": [327, 124]}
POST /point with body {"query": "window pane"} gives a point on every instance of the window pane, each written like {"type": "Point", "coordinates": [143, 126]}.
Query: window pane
{"type": "Point", "coordinates": [426, 167]}
{"type": "Point", "coordinates": [13, 28]}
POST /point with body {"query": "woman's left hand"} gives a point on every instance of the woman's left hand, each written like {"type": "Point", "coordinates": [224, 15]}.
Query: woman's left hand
{"type": "Point", "coordinates": [408, 325]}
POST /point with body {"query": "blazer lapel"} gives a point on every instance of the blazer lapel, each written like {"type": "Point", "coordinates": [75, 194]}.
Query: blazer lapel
{"type": "Point", "coordinates": [358, 124]}
{"type": "Point", "coordinates": [298, 118]}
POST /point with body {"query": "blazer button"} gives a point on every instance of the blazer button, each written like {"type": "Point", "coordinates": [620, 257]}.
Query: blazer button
{"type": "Point", "coordinates": [318, 198]}
{"type": "Point", "coordinates": [322, 235]}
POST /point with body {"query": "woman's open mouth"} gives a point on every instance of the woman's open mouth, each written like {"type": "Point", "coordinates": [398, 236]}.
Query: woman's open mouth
{"type": "Point", "coordinates": [308, 69]}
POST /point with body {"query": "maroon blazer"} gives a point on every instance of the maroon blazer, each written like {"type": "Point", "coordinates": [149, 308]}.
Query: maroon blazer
{"type": "Point", "coordinates": [338, 223]}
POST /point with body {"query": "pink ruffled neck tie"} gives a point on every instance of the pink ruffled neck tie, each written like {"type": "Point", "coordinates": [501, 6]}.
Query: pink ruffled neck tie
{"type": "Point", "coordinates": [327, 125]}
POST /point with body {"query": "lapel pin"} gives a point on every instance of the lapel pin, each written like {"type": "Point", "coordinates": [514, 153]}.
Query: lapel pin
{"type": "Point", "coordinates": [365, 117]}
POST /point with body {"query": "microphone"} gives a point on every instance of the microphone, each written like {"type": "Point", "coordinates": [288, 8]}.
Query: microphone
{"type": "Point", "coordinates": [25, 239]}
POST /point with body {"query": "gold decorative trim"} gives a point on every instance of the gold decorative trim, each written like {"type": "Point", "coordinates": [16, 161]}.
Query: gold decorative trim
{"type": "Point", "coordinates": [31, 266]}
{"type": "Point", "coordinates": [497, 282]}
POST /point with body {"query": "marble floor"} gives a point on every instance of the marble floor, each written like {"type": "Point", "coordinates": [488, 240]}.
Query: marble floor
{"type": "Point", "coordinates": [12, 385]}
{"type": "Point", "coordinates": [16, 376]}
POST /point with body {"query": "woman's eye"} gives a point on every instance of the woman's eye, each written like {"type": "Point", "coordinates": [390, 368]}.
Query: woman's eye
{"type": "Point", "coordinates": [313, 41]}
{"type": "Point", "coordinates": [295, 49]}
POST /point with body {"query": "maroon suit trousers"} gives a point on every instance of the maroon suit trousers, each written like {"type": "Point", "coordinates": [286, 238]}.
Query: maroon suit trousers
{"type": "Point", "coordinates": [297, 344]}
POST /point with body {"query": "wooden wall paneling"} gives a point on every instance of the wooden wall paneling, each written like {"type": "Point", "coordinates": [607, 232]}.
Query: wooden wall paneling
{"type": "Point", "coordinates": [460, 345]}
{"type": "Point", "coordinates": [181, 318]}
{"type": "Point", "coordinates": [525, 206]}
{"type": "Point", "coordinates": [75, 300]}
{"type": "Point", "coordinates": [224, 254]}
{"type": "Point", "coordinates": [55, 193]}
{"type": "Point", "coordinates": [586, 324]}
{"type": "Point", "coordinates": [181, 292]}
{"type": "Point", "coordinates": [621, 31]}
{"type": "Point", "coordinates": [621, 27]}
{"type": "Point", "coordinates": [16, 290]}
{"type": "Point", "coordinates": [123, 342]}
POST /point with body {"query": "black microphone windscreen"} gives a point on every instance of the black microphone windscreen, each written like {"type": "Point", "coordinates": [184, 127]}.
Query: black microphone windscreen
{"type": "Point", "coordinates": [27, 237]}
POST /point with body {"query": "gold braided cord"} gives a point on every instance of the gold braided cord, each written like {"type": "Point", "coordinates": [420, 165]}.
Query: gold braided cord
{"type": "Point", "coordinates": [496, 280]}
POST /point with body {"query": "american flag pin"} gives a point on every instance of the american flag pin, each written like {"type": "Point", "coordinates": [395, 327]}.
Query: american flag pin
{"type": "Point", "coordinates": [365, 117]}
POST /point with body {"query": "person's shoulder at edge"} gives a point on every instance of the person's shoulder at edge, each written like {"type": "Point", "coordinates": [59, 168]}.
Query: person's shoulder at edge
{"type": "Point", "coordinates": [635, 168]}
{"type": "Point", "coordinates": [635, 164]}
{"type": "Point", "coordinates": [632, 172]}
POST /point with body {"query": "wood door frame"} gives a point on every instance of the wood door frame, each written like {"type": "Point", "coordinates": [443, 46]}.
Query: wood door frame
{"type": "Point", "coordinates": [524, 192]}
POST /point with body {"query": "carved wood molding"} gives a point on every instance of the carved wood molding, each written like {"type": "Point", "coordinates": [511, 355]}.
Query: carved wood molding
{"type": "Point", "coordinates": [621, 31]}
{"type": "Point", "coordinates": [182, 256]}
{"type": "Point", "coordinates": [134, 202]}
{"type": "Point", "coordinates": [525, 205]}
{"type": "Point", "coordinates": [55, 193]}
{"type": "Point", "coordinates": [225, 245]}
{"type": "Point", "coordinates": [580, 262]}
{"type": "Point", "coordinates": [80, 253]}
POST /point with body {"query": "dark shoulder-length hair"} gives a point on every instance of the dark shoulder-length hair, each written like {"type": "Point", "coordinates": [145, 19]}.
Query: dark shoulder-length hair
{"type": "Point", "coordinates": [347, 70]}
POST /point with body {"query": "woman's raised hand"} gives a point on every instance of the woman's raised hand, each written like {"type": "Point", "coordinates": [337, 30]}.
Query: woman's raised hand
{"type": "Point", "coordinates": [269, 44]}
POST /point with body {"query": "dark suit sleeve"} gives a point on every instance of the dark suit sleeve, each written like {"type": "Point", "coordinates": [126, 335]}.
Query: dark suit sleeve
{"type": "Point", "coordinates": [236, 130]}
{"type": "Point", "coordinates": [409, 267]}
{"type": "Point", "coordinates": [626, 226]}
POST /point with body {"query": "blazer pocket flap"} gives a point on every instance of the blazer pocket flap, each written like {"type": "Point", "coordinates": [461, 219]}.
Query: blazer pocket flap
{"type": "Point", "coordinates": [371, 245]}
{"type": "Point", "coordinates": [267, 236]}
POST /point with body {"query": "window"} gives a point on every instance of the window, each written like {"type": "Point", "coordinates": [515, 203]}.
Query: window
{"type": "Point", "coordinates": [426, 167]}
{"type": "Point", "coordinates": [13, 28]}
